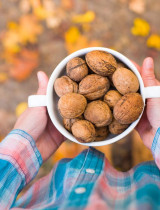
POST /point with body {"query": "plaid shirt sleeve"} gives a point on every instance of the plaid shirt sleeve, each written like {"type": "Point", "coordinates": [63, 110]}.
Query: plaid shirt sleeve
{"type": "Point", "coordinates": [20, 161]}
{"type": "Point", "coordinates": [156, 148]}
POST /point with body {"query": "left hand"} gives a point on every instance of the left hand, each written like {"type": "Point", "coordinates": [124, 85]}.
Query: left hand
{"type": "Point", "coordinates": [36, 122]}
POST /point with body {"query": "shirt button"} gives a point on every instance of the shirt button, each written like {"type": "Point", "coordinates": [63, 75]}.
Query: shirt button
{"type": "Point", "coordinates": [89, 170]}
{"type": "Point", "coordinates": [80, 190]}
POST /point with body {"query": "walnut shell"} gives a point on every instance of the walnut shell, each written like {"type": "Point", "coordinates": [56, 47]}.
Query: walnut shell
{"type": "Point", "coordinates": [101, 62]}
{"type": "Point", "coordinates": [120, 65]}
{"type": "Point", "coordinates": [101, 133]}
{"type": "Point", "coordinates": [72, 105]}
{"type": "Point", "coordinates": [128, 108]}
{"type": "Point", "coordinates": [112, 97]}
{"type": "Point", "coordinates": [110, 80]}
{"type": "Point", "coordinates": [84, 131]}
{"type": "Point", "coordinates": [94, 86]}
{"type": "Point", "coordinates": [69, 122]}
{"type": "Point", "coordinates": [65, 85]}
{"type": "Point", "coordinates": [125, 81]}
{"type": "Point", "coordinates": [99, 113]}
{"type": "Point", "coordinates": [116, 128]}
{"type": "Point", "coordinates": [77, 69]}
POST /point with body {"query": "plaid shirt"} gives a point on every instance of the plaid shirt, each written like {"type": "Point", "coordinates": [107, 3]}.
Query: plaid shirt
{"type": "Point", "coordinates": [86, 182]}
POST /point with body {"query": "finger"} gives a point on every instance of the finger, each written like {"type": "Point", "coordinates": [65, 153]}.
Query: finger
{"type": "Point", "coordinates": [147, 73]}
{"type": "Point", "coordinates": [43, 82]}
{"type": "Point", "coordinates": [137, 66]}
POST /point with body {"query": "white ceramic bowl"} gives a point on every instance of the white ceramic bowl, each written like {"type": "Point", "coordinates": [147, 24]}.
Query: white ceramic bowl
{"type": "Point", "coordinates": [51, 99]}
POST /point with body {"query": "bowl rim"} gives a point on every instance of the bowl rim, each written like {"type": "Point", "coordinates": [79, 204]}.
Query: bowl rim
{"type": "Point", "coordinates": [51, 104]}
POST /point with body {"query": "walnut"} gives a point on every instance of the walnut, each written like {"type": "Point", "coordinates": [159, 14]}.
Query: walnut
{"type": "Point", "coordinates": [128, 108]}
{"type": "Point", "coordinates": [84, 131]}
{"type": "Point", "coordinates": [112, 97]}
{"type": "Point", "coordinates": [99, 113]}
{"type": "Point", "coordinates": [101, 62]}
{"type": "Point", "coordinates": [94, 86]}
{"type": "Point", "coordinates": [125, 81]}
{"type": "Point", "coordinates": [65, 85]}
{"type": "Point", "coordinates": [77, 69]}
{"type": "Point", "coordinates": [101, 133]}
{"type": "Point", "coordinates": [72, 105]}
{"type": "Point", "coordinates": [69, 122]}
{"type": "Point", "coordinates": [116, 128]}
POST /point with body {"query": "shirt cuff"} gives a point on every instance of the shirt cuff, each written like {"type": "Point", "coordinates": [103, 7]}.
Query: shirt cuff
{"type": "Point", "coordinates": [156, 148]}
{"type": "Point", "coordinates": [20, 150]}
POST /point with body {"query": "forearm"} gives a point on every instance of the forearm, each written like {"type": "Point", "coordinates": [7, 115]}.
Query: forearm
{"type": "Point", "coordinates": [20, 161]}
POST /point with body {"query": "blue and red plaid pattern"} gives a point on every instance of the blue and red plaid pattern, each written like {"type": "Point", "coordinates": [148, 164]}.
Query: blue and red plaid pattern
{"type": "Point", "coordinates": [86, 182]}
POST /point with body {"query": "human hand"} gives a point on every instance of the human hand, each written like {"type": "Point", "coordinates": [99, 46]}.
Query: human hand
{"type": "Point", "coordinates": [36, 122]}
{"type": "Point", "coordinates": [150, 120]}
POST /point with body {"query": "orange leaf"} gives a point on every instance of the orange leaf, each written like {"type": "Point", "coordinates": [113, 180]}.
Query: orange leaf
{"type": "Point", "coordinates": [21, 33]}
{"type": "Point", "coordinates": [24, 64]}
{"type": "Point", "coordinates": [29, 29]}
{"type": "Point", "coordinates": [3, 76]}
{"type": "Point", "coordinates": [81, 42]}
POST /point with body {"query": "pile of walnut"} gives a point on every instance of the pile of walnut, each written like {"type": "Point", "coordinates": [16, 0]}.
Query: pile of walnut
{"type": "Point", "coordinates": [90, 109]}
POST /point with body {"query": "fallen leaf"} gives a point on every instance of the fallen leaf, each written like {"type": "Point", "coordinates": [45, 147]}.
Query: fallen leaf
{"type": "Point", "coordinates": [137, 6]}
{"type": "Point", "coordinates": [3, 77]}
{"type": "Point", "coordinates": [140, 28]}
{"type": "Point", "coordinates": [21, 33]}
{"type": "Point", "coordinates": [88, 17]}
{"type": "Point", "coordinates": [154, 41]}
{"type": "Point", "coordinates": [29, 29]}
{"type": "Point", "coordinates": [72, 35]}
{"type": "Point", "coordinates": [81, 42]}
{"type": "Point", "coordinates": [21, 107]}
{"type": "Point", "coordinates": [11, 41]}
{"type": "Point", "coordinates": [41, 13]}
{"type": "Point", "coordinates": [24, 64]}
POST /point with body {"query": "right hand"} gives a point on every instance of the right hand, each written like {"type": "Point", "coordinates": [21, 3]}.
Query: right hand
{"type": "Point", "coordinates": [150, 120]}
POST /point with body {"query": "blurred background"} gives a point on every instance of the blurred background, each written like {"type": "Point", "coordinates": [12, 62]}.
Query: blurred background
{"type": "Point", "coordinates": [37, 34]}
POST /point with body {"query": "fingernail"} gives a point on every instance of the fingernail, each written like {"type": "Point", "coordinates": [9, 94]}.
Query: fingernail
{"type": "Point", "coordinates": [149, 63]}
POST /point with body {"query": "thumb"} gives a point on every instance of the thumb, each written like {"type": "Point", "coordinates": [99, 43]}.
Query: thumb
{"type": "Point", "coordinates": [42, 82]}
{"type": "Point", "coordinates": [147, 72]}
